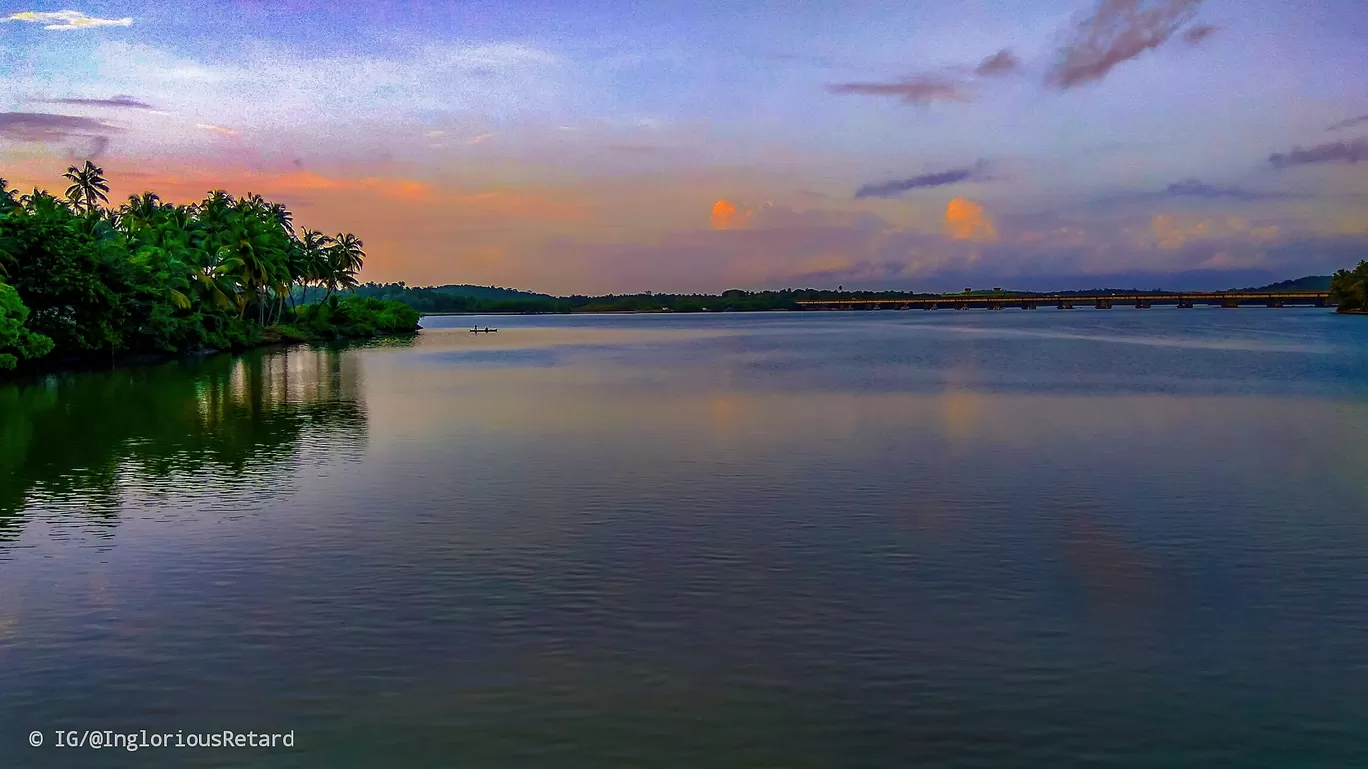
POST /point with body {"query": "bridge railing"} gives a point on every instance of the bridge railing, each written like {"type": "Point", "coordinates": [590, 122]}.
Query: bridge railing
{"type": "Point", "coordinates": [1099, 301]}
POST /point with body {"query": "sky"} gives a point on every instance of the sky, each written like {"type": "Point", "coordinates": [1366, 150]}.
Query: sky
{"type": "Point", "coordinates": [686, 145]}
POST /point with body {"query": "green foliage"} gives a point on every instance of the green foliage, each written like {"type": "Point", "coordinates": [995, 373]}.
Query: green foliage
{"type": "Point", "coordinates": [153, 277]}
{"type": "Point", "coordinates": [1350, 288]}
{"type": "Point", "coordinates": [355, 317]}
{"type": "Point", "coordinates": [16, 341]}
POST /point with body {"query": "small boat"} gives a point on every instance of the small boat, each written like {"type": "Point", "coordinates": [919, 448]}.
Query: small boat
{"type": "Point", "coordinates": [485, 330]}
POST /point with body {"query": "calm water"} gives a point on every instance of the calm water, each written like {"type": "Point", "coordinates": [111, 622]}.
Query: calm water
{"type": "Point", "coordinates": [1126, 538]}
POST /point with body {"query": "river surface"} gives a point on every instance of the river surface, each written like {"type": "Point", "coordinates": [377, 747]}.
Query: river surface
{"type": "Point", "coordinates": [898, 539]}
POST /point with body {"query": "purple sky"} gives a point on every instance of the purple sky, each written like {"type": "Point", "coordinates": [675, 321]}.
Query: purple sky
{"type": "Point", "coordinates": [678, 146]}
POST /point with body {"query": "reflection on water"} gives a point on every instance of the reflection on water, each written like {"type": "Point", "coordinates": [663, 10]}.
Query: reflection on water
{"type": "Point", "coordinates": [77, 443]}
{"type": "Point", "coordinates": [709, 541]}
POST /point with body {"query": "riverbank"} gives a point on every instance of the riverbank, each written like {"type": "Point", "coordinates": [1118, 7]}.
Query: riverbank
{"type": "Point", "coordinates": [271, 338]}
{"type": "Point", "coordinates": [351, 319]}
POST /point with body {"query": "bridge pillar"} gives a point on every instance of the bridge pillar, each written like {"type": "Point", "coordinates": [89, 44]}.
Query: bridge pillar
{"type": "Point", "coordinates": [1103, 304]}
{"type": "Point", "coordinates": [1028, 305]}
{"type": "Point", "coordinates": [1063, 305]}
{"type": "Point", "coordinates": [1230, 303]}
{"type": "Point", "coordinates": [1143, 305]}
{"type": "Point", "coordinates": [931, 306]}
{"type": "Point", "coordinates": [1185, 304]}
{"type": "Point", "coordinates": [961, 305]}
{"type": "Point", "coordinates": [1275, 303]}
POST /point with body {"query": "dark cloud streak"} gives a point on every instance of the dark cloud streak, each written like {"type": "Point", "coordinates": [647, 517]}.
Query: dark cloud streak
{"type": "Point", "coordinates": [914, 90]}
{"type": "Point", "coordinates": [1195, 188]}
{"type": "Point", "coordinates": [939, 179]}
{"type": "Point", "coordinates": [1350, 123]}
{"type": "Point", "coordinates": [44, 127]}
{"type": "Point", "coordinates": [1118, 31]}
{"type": "Point", "coordinates": [1334, 152]}
{"type": "Point", "coordinates": [1001, 63]}
{"type": "Point", "coordinates": [121, 102]}
{"type": "Point", "coordinates": [1199, 33]}
{"type": "Point", "coordinates": [84, 137]}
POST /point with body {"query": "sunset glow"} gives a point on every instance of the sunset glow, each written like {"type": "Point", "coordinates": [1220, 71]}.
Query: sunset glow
{"type": "Point", "coordinates": [588, 163]}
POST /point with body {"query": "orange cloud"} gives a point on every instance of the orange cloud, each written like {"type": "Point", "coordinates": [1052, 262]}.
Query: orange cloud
{"type": "Point", "coordinates": [966, 220]}
{"type": "Point", "coordinates": [726, 216]}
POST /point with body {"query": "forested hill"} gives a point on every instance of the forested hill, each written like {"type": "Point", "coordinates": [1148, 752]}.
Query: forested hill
{"type": "Point", "coordinates": [1308, 283]}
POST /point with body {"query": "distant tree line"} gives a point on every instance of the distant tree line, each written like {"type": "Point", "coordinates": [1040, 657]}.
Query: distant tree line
{"type": "Point", "coordinates": [479, 299]}
{"type": "Point", "coordinates": [492, 299]}
{"type": "Point", "coordinates": [80, 279]}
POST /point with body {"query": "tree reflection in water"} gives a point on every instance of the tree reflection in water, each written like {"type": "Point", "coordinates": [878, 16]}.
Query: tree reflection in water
{"type": "Point", "coordinates": [77, 443]}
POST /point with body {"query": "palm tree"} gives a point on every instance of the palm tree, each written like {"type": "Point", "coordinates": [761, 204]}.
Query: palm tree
{"type": "Point", "coordinates": [140, 210]}
{"type": "Point", "coordinates": [313, 258]}
{"type": "Point", "coordinates": [88, 186]}
{"type": "Point", "coordinates": [282, 217]}
{"type": "Point", "coordinates": [345, 259]}
{"type": "Point", "coordinates": [7, 197]}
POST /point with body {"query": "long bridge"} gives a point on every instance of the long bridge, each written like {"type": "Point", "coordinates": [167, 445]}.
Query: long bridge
{"type": "Point", "coordinates": [1186, 300]}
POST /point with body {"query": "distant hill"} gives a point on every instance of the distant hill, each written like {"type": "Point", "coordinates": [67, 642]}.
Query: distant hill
{"type": "Point", "coordinates": [1308, 283]}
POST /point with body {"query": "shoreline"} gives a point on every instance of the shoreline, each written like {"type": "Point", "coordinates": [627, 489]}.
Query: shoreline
{"type": "Point", "coordinates": [97, 363]}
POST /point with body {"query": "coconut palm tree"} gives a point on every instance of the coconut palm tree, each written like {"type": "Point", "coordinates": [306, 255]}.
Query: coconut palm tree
{"type": "Point", "coordinates": [346, 257]}
{"type": "Point", "coordinates": [140, 210]}
{"type": "Point", "coordinates": [313, 265]}
{"type": "Point", "coordinates": [88, 187]}
{"type": "Point", "coordinates": [282, 216]}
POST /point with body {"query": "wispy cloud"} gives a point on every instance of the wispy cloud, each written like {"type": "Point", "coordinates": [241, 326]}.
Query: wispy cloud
{"type": "Point", "coordinates": [1334, 152]}
{"type": "Point", "coordinates": [118, 102]}
{"type": "Point", "coordinates": [1350, 123]}
{"type": "Point", "coordinates": [1199, 33]}
{"type": "Point", "coordinates": [922, 89]}
{"type": "Point", "coordinates": [276, 91]}
{"type": "Point", "coordinates": [1001, 63]}
{"type": "Point", "coordinates": [1198, 189]}
{"type": "Point", "coordinates": [65, 20]}
{"type": "Point", "coordinates": [218, 129]}
{"type": "Point", "coordinates": [479, 139]}
{"type": "Point", "coordinates": [44, 127]}
{"type": "Point", "coordinates": [1118, 31]}
{"type": "Point", "coordinates": [976, 172]}
{"type": "Point", "coordinates": [82, 137]}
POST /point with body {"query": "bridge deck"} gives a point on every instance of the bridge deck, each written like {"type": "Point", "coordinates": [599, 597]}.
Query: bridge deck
{"type": "Point", "coordinates": [1101, 301]}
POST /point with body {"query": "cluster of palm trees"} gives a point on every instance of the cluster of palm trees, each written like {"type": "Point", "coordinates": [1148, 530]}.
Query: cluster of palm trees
{"type": "Point", "coordinates": [236, 254]}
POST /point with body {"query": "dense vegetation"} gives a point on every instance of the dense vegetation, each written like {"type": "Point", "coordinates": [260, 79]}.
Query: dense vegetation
{"type": "Point", "coordinates": [80, 279]}
{"type": "Point", "coordinates": [1350, 288]}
